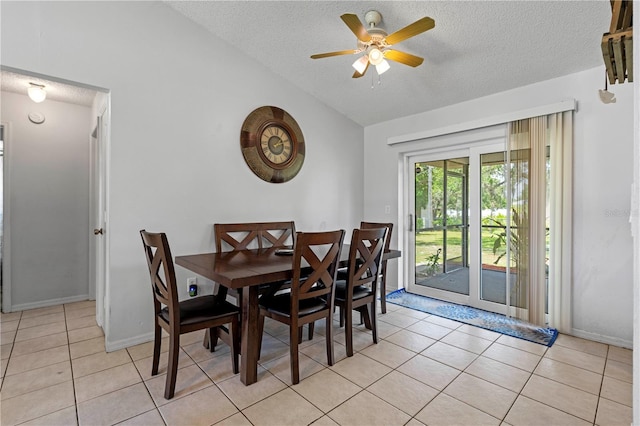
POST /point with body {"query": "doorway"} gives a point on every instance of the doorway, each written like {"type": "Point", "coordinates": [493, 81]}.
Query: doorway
{"type": "Point", "coordinates": [457, 250]}
{"type": "Point", "coordinates": [59, 142]}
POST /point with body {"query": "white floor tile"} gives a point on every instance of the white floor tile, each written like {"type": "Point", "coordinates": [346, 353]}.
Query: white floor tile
{"type": "Point", "coordinates": [424, 370]}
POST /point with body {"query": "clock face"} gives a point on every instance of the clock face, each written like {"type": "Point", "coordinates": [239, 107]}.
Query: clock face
{"type": "Point", "coordinates": [276, 144]}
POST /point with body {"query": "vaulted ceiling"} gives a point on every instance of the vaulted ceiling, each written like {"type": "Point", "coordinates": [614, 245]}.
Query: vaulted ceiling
{"type": "Point", "coordinates": [477, 48]}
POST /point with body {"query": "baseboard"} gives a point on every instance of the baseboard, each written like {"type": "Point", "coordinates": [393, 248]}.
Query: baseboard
{"type": "Point", "coordinates": [615, 341]}
{"type": "Point", "coordinates": [50, 302]}
{"type": "Point", "coordinates": [128, 342]}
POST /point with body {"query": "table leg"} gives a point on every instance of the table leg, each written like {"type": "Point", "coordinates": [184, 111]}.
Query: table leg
{"type": "Point", "coordinates": [250, 338]}
{"type": "Point", "coordinates": [220, 293]}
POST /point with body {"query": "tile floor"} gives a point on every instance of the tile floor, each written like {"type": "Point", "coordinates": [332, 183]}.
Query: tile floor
{"type": "Point", "coordinates": [424, 370]}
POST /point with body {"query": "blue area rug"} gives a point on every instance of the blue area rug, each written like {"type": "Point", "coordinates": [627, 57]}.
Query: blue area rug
{"type": "Point", "coordinates": [473, 316]}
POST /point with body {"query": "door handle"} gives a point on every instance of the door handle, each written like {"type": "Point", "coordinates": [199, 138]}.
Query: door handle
{"type": "Point", "coordinates": [410, 223]}
{"type": "Point", "coordinates": [97, 231]}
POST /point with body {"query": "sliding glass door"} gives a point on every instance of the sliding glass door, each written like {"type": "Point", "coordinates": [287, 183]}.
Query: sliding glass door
{"type": "Point", "coordinates": [458, 210]}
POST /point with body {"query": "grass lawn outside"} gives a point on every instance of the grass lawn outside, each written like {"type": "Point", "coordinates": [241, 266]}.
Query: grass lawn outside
{"type": "Point", "coordinates": [428, 243]}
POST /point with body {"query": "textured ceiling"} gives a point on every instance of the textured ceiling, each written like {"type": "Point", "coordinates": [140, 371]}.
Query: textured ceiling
{"type": "Point", "coordinates": [56, 91]}
{"type": "Point", "coordinates": [476, 48]}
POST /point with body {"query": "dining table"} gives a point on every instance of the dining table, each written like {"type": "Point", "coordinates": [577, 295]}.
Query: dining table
{"type": "Point", "coordinates": [248, 271]}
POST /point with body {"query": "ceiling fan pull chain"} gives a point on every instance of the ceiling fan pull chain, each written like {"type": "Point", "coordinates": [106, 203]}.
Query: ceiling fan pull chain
{"type": "Point", "coordinates": [373, 85]}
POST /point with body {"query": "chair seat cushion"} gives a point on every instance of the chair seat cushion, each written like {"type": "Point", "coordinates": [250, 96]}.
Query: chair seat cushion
{"type": "Point", "coordinates": [201, 308]}
{"type": "Point", "coordinates": [359, 291]}
{"type": "Point", "coordinates": [281, 304]}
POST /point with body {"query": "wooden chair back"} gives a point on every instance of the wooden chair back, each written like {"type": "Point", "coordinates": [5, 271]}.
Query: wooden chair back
{"type": "Point", "coordinates": [161, 272]}
{"type": "Point", "coordinates": [321, 252]}
{"type": "Point", "coordinates": [358, 292]}
{"type": "Point", "coordinates": [388, 226]}
{"type": "Point", "coordinates": [383, 271]}
{"type": "Point", "coordinates": [241, 236]}
{"type": "Point", "coordinates": [365, 258]}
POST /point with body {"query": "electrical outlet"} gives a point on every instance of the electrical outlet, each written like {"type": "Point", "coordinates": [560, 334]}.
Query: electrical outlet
{"type": "Point", "coordinates": [191, 281]}
{"type": "Point", "coordinates": [387, 209]}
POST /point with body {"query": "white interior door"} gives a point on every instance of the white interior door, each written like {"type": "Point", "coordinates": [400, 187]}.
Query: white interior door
{"type": "Point", "coordinates": [99, 215]}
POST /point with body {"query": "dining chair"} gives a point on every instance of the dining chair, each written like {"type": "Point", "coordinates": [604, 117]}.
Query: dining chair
{"type": "Point", "coordinates": [179, 317]}
{"type": "Point", "coordinates": [383, 269]}
{"type": "Point", "coordinates": [250, 235]}
{"type": "Point", "coordinates": [312, 291]}
{"type": "Point", "coordinates": [358, 291]}
{"type": "Point", "coordinates": [342, 272]}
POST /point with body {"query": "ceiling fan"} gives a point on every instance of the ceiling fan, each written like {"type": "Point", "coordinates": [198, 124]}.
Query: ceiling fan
{"type": "Point", "coordinates": [375, 44]}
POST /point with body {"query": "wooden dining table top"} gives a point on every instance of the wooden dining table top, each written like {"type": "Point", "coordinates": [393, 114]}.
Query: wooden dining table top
{"type": "Point", "coordinates": [243, 268]}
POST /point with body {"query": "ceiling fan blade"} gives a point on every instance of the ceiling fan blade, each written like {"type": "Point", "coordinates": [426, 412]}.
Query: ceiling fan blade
{"type": "Point", "coordinates": [328, 54]}
{"type": "Point", "coordinates": [354, 24]}
{"type": "Point", "coordinates": [403, 58]}
{"type": "Point", "coordinates": [420, 26]}
{"type": "Point", "coordinates": [358, 75]}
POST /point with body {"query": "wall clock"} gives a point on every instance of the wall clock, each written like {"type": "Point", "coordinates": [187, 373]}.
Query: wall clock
{"type": "Point", "coordinates": [272, 144]}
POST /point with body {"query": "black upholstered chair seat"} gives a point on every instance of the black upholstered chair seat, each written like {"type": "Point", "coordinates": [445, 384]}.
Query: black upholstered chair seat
{"type": "Point", "coordinates": [281, 304]}
{"type": "Point", "coordinates": [359, 291]}
{"type": "Point", "coordinates": [200, 309]}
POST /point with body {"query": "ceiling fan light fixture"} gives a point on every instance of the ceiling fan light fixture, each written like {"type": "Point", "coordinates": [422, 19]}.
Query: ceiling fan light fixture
{"type": "Point", "coordinates": [36, 92]}
{"type": "Point", "coordinates": [383, 67]}
{"type": "Point", "coordinates": [375, 56]}
{"type": "Point", "coordinates": [374, 43]}
{"type": "Point", "coordinates": [361, 64]}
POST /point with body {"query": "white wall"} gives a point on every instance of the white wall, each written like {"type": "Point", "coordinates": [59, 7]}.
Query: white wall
{"type": "Point", "coordinates": [49, 201]}
{"type": "Point", "coordinates": [178, 99]}
{"type": "Point", "coordinates": [603, 171]}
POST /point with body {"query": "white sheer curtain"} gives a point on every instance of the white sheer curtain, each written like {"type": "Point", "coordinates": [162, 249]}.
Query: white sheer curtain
{"type": "Point", "coordinates": [560, 257]}
{"type": "Point", "coordinates": [540, 158]}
